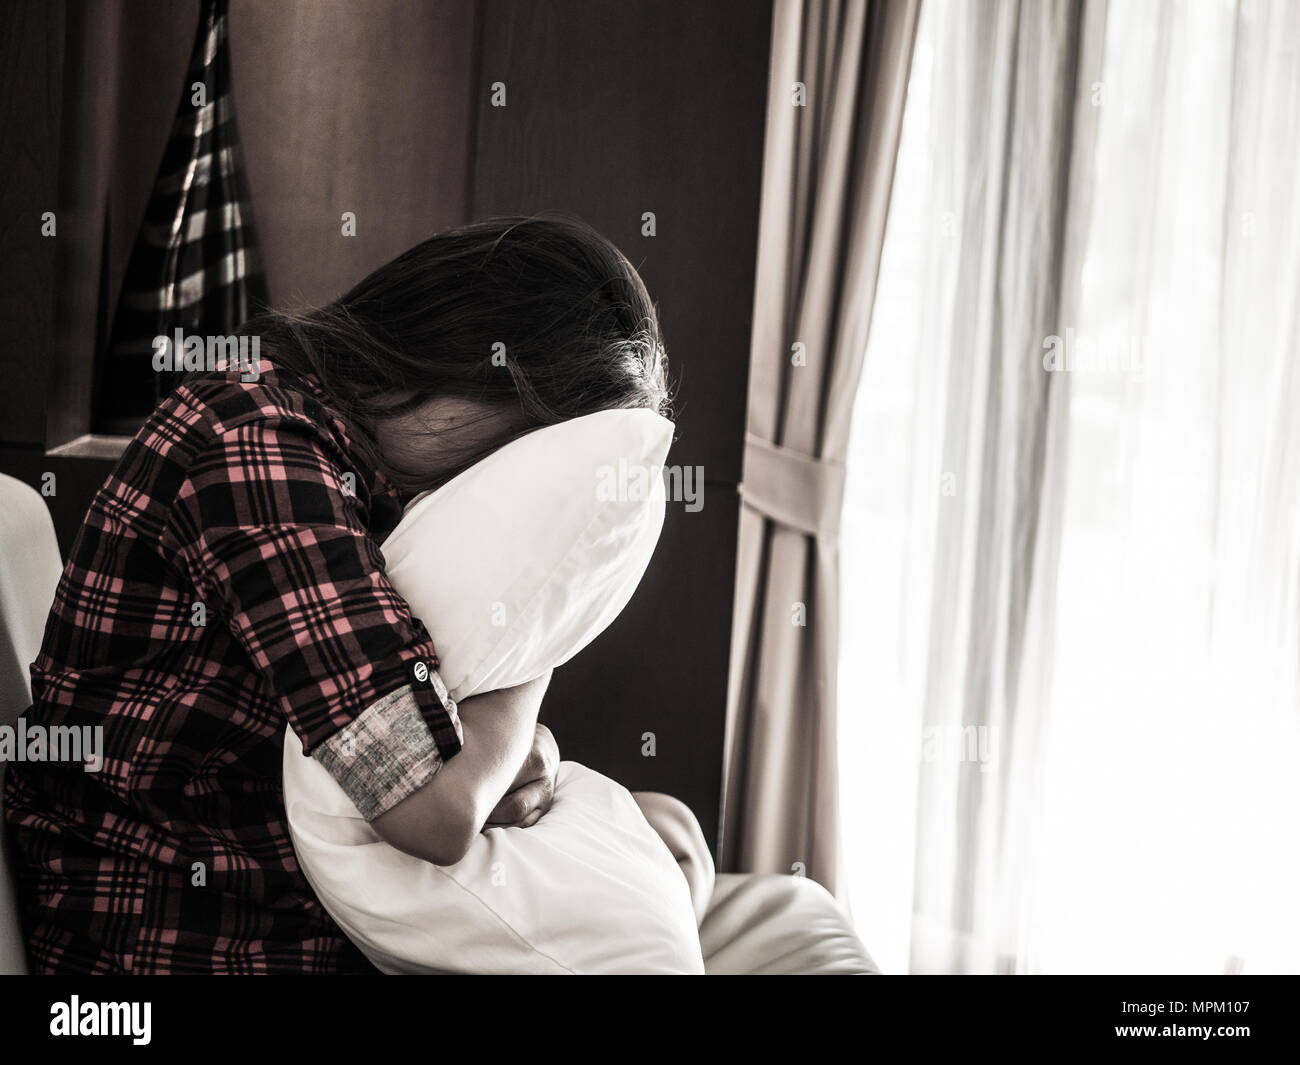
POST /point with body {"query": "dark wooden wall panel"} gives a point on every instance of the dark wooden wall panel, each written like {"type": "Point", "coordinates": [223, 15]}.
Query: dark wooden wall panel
{"type": "Point", "coordinates": [31, 94]}
{"type": "Point", "coordinates": [122, 81]}
{"type": "Point", "coordinates": [618, 109]}
{"type": "Point", "coordinates": [613, 110]}
{"type": "Point", "coordinates": [351, 107]}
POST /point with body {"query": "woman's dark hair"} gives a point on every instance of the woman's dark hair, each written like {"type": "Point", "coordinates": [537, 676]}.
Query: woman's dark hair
{"type": "Point", "coordinates": [566, 315]}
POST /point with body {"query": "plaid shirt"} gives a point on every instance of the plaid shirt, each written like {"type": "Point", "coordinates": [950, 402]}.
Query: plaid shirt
{"type": "Point", "coordinates": [227, 580]}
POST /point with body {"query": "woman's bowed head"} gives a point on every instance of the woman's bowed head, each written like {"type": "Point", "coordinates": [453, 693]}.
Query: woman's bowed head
{"type": "Point", "coordinates": [475, 337]}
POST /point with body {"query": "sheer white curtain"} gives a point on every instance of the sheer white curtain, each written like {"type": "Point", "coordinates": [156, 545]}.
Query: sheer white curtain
{"type": "Point", "coordinates": [1068, 682]}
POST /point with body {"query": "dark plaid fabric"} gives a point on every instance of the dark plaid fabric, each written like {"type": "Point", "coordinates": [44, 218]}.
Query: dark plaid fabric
{"type": "Point", "coordinates": [194, 266]}
{"type": "Point", "coordinates": [175, 857]}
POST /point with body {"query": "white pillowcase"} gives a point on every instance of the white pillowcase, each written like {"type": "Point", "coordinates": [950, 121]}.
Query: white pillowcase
{"type": "Point", "coordinates": [514, 567]}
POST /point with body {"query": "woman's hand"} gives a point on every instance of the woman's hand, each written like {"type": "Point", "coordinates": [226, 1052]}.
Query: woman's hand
{"type": "Point", "coordinates": [533, 789]}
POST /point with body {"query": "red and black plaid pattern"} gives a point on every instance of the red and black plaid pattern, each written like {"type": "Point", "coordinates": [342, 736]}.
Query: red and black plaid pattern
{"type": "Point", "coordinates": [195, 265]}
{"type": "Point", "coordinates": [175, 856]}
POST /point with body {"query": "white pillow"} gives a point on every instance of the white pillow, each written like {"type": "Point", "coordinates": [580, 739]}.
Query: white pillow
{"type": "Point", "coordinates": [514, 567]}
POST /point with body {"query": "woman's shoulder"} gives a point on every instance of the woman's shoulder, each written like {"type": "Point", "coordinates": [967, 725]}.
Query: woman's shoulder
{"type": "Point", "coordinates": [217, 404]}
{"type": "Point", "coordinates": [235, 425]}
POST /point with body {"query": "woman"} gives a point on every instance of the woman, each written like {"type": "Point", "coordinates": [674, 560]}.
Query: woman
{"type": "Point", "coordinates": [228, 578]}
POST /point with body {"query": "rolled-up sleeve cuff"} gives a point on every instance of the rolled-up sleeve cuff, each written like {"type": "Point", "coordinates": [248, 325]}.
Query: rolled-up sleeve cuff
{"type": "Point", "coordinates": [389, 751]}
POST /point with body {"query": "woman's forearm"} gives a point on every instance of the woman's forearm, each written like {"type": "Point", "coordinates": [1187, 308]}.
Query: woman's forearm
{"type": "Point", "coordinates": [439, 822]}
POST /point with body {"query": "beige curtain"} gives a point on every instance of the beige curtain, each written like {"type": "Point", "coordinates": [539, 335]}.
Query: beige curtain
{"type": "Point", "coordinates": [837, 87]}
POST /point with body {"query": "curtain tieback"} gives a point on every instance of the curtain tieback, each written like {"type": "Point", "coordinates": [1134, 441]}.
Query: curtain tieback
{"type": "Point", "coordinates": [792, 488]}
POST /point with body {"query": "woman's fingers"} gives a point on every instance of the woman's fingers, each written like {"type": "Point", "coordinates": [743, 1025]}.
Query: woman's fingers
{"type": "Point", "coordinates": [534, 785]}
{"type": "Point", "coordinates": [529, 801]}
